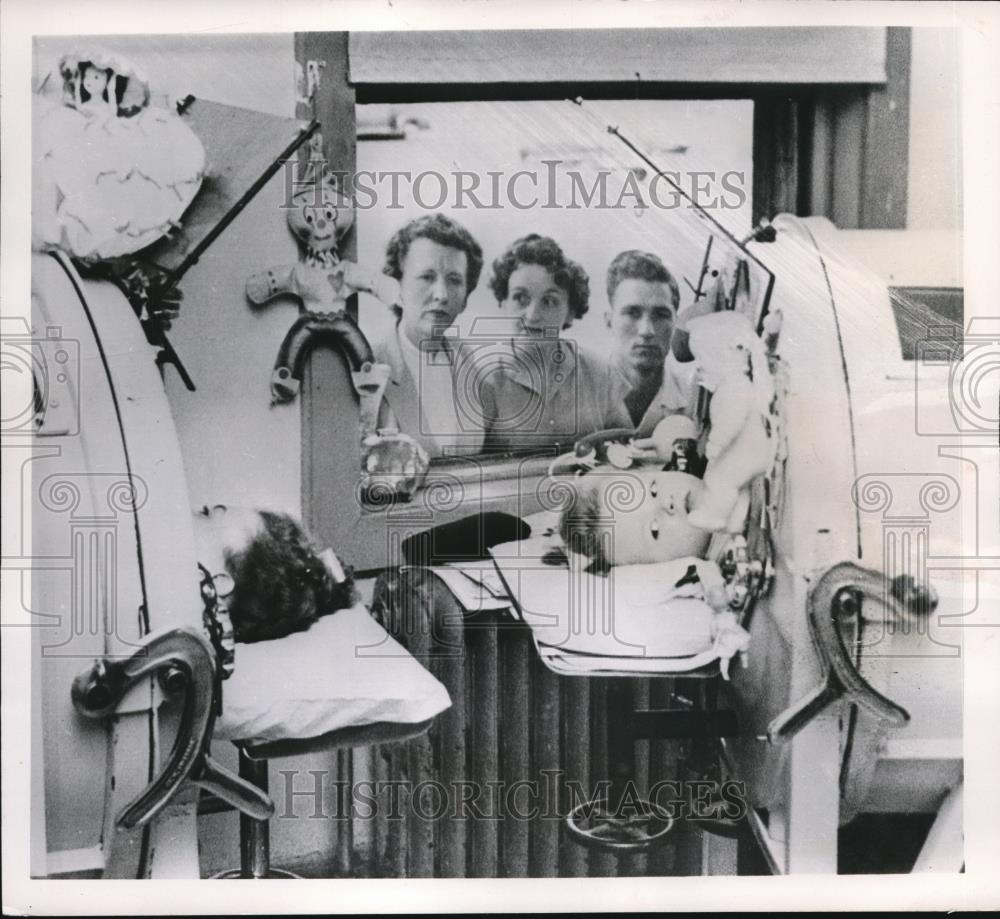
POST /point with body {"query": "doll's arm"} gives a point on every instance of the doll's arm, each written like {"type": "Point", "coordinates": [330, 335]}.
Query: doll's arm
{"type": "Point", "coordinates": [729, 411]}
{"type": "Point", "coordinates": [381, 286]}
{"type": "Point", "coordinates": [274, 282]}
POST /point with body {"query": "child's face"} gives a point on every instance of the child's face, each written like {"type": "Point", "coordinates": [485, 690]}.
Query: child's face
{"type": "Point", "coordinates": [650, 510]}
{"type": "Point", "coordinates": [224, 530]}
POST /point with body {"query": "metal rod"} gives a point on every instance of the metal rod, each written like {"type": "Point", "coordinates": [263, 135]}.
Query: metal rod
{"type": "Point", "coordinates": [613, 129]}
{"type": "Point", "coordinates": [174, 277]}
{"type": "Point", "coordinates": [255, 836]}
{"type": "Point", "coordinates": [481, 644]}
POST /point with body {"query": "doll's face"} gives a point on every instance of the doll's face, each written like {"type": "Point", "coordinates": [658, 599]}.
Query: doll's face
{"type": "Point", "coordinates": [95, 81]}
{"type": "Point", "coordinates": [650, 509]}
{"type": "Point", "coordinates": [320, 217]}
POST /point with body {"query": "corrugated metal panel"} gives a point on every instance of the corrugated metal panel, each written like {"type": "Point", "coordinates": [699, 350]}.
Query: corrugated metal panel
{"type": "Point", "coordinates": [512, 721]}
{"type": "Point", "coordinates": [858, 161]}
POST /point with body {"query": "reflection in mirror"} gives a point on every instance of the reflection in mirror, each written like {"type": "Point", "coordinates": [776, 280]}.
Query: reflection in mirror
{"type": "Point", "coordinates": [523, 348]}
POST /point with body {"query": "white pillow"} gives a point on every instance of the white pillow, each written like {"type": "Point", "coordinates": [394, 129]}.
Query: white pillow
{"type": "Point", "coordinates": [344, 671]}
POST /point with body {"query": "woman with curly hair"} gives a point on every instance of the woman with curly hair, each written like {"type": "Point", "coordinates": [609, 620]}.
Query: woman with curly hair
{"type": "Point", "coordinates": [538, 390]}
{"type": "Point", "coordinates": [437, 263]}
{"type": "Point", "coordinates": [273, 578]}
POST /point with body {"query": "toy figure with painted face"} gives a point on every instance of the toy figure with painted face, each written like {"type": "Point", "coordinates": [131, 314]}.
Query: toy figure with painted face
{"type": "Point", "coordinates": [733, 367]}
{"type": "Point", "coordinates": [319, 218]}
{"type": "Point", "coordinates": [95, 92]}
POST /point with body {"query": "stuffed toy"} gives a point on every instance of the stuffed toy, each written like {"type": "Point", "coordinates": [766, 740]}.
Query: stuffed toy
{"type": "Point", "coordinates": [319, 218]}
{"type": "Point", "coordinates": [393, 464]}
{"type": "Point", "coordinates": [733, 367]}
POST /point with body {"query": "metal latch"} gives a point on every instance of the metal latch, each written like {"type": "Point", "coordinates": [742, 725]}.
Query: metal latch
{"type": "Point", "coordinates": [190, 658]}
{"type": "Point", "coordinates": [838, 594]}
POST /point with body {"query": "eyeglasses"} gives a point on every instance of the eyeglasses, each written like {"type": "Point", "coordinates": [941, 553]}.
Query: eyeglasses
{"type": "Point", "coordinates": [215, 587]}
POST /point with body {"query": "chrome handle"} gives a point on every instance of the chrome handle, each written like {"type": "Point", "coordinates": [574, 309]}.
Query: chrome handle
{"type": "Point", "coordinates": [839, 592]}
{"type": "Point", "coordinates": [188, 658]}
{"type": "Point", "coordinates": [241, 794]}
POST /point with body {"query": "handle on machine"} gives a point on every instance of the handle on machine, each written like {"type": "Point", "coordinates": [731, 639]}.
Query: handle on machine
{"type": "Point", "coordinates": [187, 654]}
{"type": "Point", "coordinates": [246, 797]}
{"type": "Point", "coordinates": [794, 719]}
{"type": "Point", "coordinates": [838, 593]}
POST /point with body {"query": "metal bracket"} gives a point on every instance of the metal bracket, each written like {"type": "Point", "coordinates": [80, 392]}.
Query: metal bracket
{"type": "Point", "coordinates": [370, 383]}
{"type": "Point", "coordinates": [840, 592]}
{"type": "Point", "coordinates": [98, 692]}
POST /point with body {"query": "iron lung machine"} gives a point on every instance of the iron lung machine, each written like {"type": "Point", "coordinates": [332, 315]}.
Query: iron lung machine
{"type": "Point", "coordinates": [111, 554]}
{"type": "Point", "coordinates": [851, 703]}
{"type": "Point", "coordinates": [851, 700]}
{"type": "Point", "coordinates": [857, 597]}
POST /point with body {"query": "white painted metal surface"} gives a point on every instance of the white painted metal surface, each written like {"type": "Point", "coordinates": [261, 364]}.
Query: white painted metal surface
{"type": "Point", "coordinates": [112, 559]}
{"type": "Point", "coordinates": [852, 440]}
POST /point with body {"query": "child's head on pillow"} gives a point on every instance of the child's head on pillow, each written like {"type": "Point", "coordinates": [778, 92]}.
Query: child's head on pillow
{"type": "Point", "coordinates": [281, 583]}
{"type": "Point", "coordinates": [630, 517]}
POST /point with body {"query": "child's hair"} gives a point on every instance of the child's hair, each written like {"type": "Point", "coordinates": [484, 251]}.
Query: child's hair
{"type": "Point", "coordinates": [280, 585]}
{"type": "Point", "coordinates": [583, 526]}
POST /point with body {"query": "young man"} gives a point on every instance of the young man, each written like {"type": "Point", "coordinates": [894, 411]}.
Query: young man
{"type": "Point", "coordinates": [437, 263]}
{"type": "Point", "coordinates": [644, 299]}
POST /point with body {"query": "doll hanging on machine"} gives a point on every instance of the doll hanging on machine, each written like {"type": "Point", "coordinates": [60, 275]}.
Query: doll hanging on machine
{"type": "Point", "coordinates": [320, 217]}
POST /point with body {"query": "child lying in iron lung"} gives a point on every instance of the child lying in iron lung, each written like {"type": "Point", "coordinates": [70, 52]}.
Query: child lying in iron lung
{"type": "Point", "coordinates": [632, 517]}
{"type": "Point", "coordinates": [273, 578]}
{"type": "Point", "coordinates": [639, 519]}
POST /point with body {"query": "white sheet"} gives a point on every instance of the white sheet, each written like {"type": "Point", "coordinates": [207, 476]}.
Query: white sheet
{"type": "Point", "coordinates": [633, 621]}
{"type": "Point", "coordinates": [344, 671]}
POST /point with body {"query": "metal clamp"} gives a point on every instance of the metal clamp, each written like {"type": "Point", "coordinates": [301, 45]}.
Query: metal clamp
{"type": "Point", "coordinates": [838, 594]}
{"type": "Point", "coordinates": [370, 381]}
{"type": "Point", "coordinates": [190, 659]}
{"type": "Point", "coordinates": [745, 577]}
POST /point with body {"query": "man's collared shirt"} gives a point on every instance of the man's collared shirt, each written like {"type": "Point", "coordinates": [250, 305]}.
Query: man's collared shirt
{"type": "Point", "coordinates": [678, 394]}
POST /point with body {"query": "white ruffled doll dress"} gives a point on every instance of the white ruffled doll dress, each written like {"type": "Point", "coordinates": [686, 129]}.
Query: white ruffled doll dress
{"type": "Point", "coordinates": [111, 173]}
